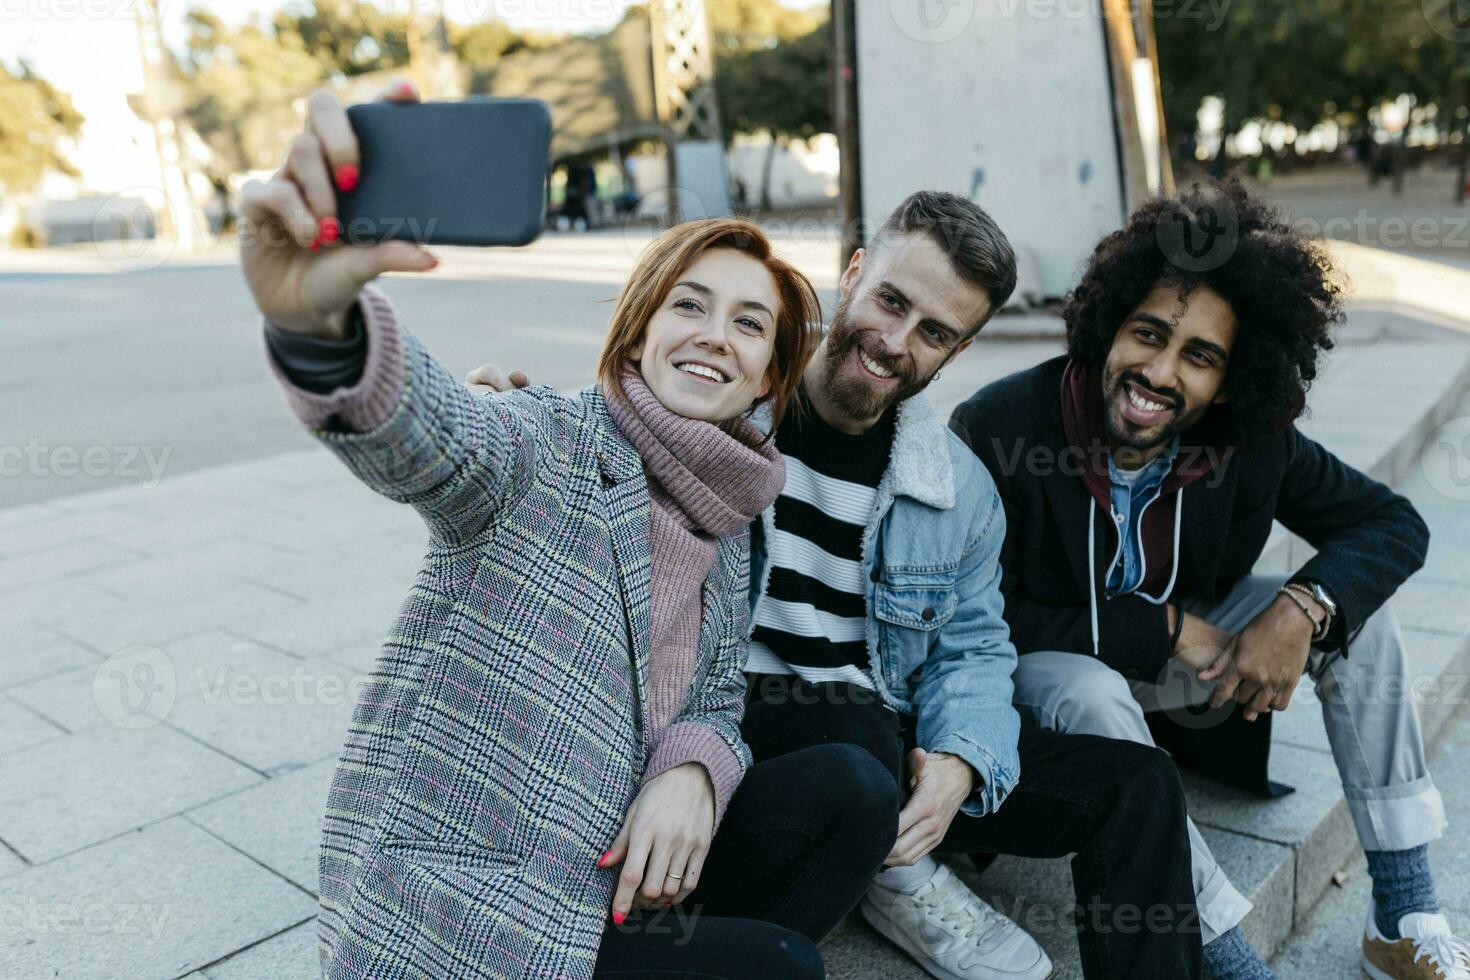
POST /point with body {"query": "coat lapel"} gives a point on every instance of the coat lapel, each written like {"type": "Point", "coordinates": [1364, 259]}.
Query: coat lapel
{"type": "Point", "coordinates": [628, 524]}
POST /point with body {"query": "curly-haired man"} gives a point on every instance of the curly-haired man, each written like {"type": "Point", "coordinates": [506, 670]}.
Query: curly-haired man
{"type": "Point", "coordinates": [1141, 473]}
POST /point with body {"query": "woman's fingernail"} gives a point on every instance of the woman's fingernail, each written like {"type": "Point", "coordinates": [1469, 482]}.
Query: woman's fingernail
{"type": "Point", "coordinates": [668, 905]}
{"type": "Point", "coordinates": [405, 88]}
{"type": "Point", "coordinates": [329, 230]}
{"type": "Point", "coordinates": [602, 861]}
{"type": "Point", "coordinates": [316, 244]}
{"type": "Point", "coordinates": [619, 917]}
{"type": "Point", "coordinates": [347, 177]}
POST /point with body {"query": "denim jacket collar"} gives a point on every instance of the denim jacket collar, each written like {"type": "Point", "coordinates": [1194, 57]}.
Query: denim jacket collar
{"type": "Point", "coordinates": [920, 465]}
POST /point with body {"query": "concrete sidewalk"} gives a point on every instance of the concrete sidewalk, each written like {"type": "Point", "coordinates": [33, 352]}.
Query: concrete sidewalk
{"type": "Point", "coordinates": [179, 662]}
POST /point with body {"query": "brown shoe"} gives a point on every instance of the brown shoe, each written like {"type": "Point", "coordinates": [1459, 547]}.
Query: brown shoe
{"type": "Point", "coordinates": [1427, 951]}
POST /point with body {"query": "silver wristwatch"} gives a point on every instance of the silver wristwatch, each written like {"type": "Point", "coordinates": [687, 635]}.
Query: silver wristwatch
{"type": "Point", "coordinates": [1325, 601]}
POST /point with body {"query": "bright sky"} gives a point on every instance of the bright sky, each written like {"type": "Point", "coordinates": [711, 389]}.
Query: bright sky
{"type": "Point", "coordinates": [70, 41]}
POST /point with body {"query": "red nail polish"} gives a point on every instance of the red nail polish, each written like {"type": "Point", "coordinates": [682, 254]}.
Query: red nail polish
{"type": "Point", "coordinates": [602, 861]}
{"type": "Point", "coordinates": [346, 177]}
{"type": "Point", "coordinates": [329, 230]}
{"type": "Point", "coordinates": [316, 244]}
{"type": "Point", "coordinates": [668, 905]}
{"type": "Point", "coordinates": [406, 88]}
{"type": "Point", "coordinates": [619, 917]}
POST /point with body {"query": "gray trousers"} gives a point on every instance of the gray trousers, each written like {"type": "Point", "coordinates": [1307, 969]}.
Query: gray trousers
{"type": "Point", "coordinates": [1372, 726]}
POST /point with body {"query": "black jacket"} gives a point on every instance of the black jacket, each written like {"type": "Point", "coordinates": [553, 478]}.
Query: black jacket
{"type": "Point", "coordinates": [1369, 540]}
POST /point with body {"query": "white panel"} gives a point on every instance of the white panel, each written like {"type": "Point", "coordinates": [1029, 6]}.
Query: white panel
{"type": "Point", "coordinates": [1005, 101]}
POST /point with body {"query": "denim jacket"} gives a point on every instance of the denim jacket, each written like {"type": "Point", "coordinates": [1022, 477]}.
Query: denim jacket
{"type": "Point", "coordinates": [936, 637]}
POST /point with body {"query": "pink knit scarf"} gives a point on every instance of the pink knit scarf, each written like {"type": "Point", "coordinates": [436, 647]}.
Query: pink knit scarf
{"type": "Point", "coordinates": [705, 481]}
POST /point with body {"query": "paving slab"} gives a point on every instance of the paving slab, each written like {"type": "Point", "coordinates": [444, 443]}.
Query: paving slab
{"type": "Point", "coordinates": [291, 955]}
{"type": "Point", "coordinates": [65, 794]}
{"type": "Point", "coordinates": [155, 903]}
{"type": "Point", "coordinates": [29, 650]}
{"type": "Point", "coordinates": [266, 709]}
{"type": "Point", "coordinates": [21, 727]}
{"type": "Point", "coordinates": [277, 822]}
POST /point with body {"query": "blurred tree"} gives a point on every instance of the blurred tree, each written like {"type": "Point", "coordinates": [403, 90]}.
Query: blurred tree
{"type": "Point", "coordinates": [34, 118]}
{"type": "Point", "coordinates": [480, 45]}
{"type": "Point", "coordinates": [239, 84]}
{"type": "Point", "coordinates": [771, 73]}
{"type": "Point", "coordinates": [346, 36]}
{"type": "Point", "coordinates": [1301, 63]}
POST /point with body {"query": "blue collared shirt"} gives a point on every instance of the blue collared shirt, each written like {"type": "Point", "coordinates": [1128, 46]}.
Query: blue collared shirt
{"type": "Point", "coordinates": [1132, 491]}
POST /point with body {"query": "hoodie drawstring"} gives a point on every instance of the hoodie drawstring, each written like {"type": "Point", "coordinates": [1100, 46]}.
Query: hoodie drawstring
{"type": "Point", "coordinates": [1158, 600]}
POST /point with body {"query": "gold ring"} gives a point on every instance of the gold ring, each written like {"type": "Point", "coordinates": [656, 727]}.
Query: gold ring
{"type": "Point", "coordinates": [674, 876]}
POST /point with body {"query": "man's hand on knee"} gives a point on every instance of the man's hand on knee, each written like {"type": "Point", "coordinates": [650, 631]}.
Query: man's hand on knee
{"type": "Point", "coordinates": [939, 782]}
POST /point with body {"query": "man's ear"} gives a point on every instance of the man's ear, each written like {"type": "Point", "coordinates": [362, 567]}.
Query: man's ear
{"type": "Point", "coordinates": [851, 274]}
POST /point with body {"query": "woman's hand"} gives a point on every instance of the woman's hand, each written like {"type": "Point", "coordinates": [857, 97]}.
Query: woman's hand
{"type": "Point", "coordinates": [667, 831]}
{"type": "Point", "coordinates": [487, 378]}
{"type": "Point", "coordinates": [301, 274]}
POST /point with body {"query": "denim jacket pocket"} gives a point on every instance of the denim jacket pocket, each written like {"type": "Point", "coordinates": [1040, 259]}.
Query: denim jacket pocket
{"type": "Point", "coordinates": [918, 607]}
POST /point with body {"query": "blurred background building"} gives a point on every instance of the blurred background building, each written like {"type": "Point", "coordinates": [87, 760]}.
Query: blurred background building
{"type": "Point", "coordinates": [132, 118]}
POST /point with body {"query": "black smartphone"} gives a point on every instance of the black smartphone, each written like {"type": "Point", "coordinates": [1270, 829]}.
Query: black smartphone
{"type": "Point", "coordinates": [464, 172]}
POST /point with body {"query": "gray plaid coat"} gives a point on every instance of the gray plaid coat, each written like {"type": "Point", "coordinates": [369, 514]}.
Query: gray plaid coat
{"type": "Point", "coordinates": [501, 736]}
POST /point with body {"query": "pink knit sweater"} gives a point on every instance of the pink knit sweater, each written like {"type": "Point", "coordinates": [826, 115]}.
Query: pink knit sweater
{"type": "Point", "coordinates": [705, 481]}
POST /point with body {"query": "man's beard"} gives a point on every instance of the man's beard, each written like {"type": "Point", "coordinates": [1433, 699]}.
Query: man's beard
{"type": "Point", "coordinates": [851, 392]}
{"type": "Point", "coordinates": [1124, 433]}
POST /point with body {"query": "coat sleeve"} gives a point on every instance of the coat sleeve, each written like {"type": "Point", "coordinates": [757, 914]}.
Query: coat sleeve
{"type": "Point", "coordinates": [707, 729]}
{"type": "Point", "coordinates": [1369, 540]}
{"type": "Point", "coordinates": [414, 434]}
{"type": "Point", "coordinates": [967, 674]}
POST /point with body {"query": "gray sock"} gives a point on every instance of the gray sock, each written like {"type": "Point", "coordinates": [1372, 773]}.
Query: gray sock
{"type": "Point", "coordinates": [1402, 883]}
{"type": "Point", "coordinates": [1230, 957]}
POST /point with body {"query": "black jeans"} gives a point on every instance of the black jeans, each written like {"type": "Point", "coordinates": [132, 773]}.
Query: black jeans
{"type": "Point", "coordinates": [802, 837]}
{"type": "Point", "coordinates": [1119, 806]}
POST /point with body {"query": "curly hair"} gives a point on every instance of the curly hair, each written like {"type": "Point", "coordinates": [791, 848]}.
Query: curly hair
{"type": "Point", "coordinates": [1281, 285]}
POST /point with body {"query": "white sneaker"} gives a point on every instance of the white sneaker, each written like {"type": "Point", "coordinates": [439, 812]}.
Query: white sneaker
{"type": "Point", "coordinates": [1427, 951]}
{"type": "Point", "coordinates": [952, 933]}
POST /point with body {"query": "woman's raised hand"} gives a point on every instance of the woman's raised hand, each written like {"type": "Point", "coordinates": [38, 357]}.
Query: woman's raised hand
{"type": "Point", "coordinates": [301, 273]}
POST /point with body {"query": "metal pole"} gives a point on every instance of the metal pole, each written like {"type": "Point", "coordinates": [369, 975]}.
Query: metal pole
{"type": "Point", "coordinates": [845, 118]}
